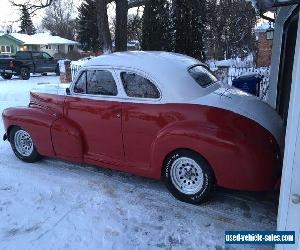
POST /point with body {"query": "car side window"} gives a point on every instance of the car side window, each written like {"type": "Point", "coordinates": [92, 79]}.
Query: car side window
{"type": "Point", "coordinates": [46, 56]}
{"type": "Point", "coordinates": [36, 56]}
{"type": "Point", "coordinates": [202, 76]}
{"type": "Point", "coordinates": [101, 82]}
{"type": "Point", "coordinates": [23, 55]}
{"type": "Point", "coordinates": [80, 85]}
{"type": "Point", "coordinates": [138, 86]}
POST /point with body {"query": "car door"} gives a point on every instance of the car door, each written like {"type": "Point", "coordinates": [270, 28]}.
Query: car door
{"type": "Point", "coordinates": [93, 107]}
{"type": "Point", "coordinates": [143, 116]}
{"type": "Point", "coordinates": [49, 62]}
{"type": "Point", "coordinates": [38, 62]}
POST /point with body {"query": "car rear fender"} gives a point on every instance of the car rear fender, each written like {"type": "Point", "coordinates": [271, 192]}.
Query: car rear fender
{"type": "Point", "coordinates": [202, 139]}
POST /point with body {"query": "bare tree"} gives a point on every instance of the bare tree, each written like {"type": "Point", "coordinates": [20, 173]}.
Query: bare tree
{"type": "Point", "coordinates": [32, 5]}
{"type": "Point", "coordinates": [134, 26]}
{"type": "Point", "coordinates": [59, 19]}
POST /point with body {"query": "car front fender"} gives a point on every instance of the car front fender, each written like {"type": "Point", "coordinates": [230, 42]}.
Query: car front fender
{"type": "Point", "coordinates": [37, 122]}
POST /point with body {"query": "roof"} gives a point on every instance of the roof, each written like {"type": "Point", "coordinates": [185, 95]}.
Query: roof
{"type": "Point", "coordinates": [41, 38]}
{"type": "Point", "coordinates": [168, 70]}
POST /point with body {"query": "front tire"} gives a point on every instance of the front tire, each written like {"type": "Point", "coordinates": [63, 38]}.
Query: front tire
{"type": "Point", "coordinates": [188, 176]}
{"type": "Point", "coordinates": [24, 73]}
{"type": "Point", "coordinates": [22, 145]}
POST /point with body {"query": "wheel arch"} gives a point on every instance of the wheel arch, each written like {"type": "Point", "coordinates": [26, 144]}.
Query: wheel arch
{"type": "Point", "coordinates": [8, 131]}
{"type": "Point", "coordinates": [211, 143]}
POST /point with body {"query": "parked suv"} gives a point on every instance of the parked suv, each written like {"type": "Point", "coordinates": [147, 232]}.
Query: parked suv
{"type": "Point", "coordinates": [26, 62]}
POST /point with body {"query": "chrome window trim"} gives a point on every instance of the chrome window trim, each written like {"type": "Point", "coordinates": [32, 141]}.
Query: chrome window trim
{"type": "Point", "coordinates": [206, 67]}
{"type": "Point", "coordinates": [121, 96]}
{"type": "Point", "coordinates": [120, 70]}
{"type": "Point", "coordinates": [79, 74]}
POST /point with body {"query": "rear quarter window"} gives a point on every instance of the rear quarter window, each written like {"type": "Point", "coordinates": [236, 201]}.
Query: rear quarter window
{"type": "Point", "coordinates": [202, 76]}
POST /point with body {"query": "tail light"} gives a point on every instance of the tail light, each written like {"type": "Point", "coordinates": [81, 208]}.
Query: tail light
{"type": "Point", "coordinates": [11, 64]}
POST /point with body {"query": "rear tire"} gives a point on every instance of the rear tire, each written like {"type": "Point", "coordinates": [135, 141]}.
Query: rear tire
{"type": "Point", "coordinates": [22, 145]}
{"type": "Point", "coordinates": [188, 176]}
{"type": "Point", "coordinates": [24, 73]}
{"type": "Point", "coordinates": [6, 76]}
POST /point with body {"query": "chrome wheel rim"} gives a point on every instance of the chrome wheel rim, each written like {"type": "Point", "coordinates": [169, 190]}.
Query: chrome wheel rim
{"type": "Point", "coordinates": [23, 143]}
{"type": "Point", "coordinates": [187, 175]}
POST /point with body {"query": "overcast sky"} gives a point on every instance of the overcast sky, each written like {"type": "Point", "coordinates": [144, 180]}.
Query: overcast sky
{"type": "Point", "coordinates": [10, 15]}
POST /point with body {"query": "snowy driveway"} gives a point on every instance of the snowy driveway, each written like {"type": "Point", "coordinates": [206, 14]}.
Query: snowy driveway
{"type": "Point", "coordinates": [58, 205]}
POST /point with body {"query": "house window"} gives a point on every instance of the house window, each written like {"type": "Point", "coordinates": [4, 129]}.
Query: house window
{"type": "Point", "coordinates": [270, 34]}
{"type": "Point", "coordinates": [48, 46]}
{"type": "Point", "coordinates": [70, 48]}
{"type": "Point", "coordinates": [24, 48]}
{"type": "Point", "coordinates": [5, 49]}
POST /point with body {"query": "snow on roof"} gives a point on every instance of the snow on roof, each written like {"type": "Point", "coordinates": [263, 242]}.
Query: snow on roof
{"type": "Point", "coordinates": [41, 38]}
{"type": "Point", "coordinates": [263, 26]}
{"type": "Point", "coordinates": [143, 59]}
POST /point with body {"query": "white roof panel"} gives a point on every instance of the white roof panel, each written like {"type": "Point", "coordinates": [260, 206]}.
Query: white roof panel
{"type": "Point", "coordinates": [168, 70]}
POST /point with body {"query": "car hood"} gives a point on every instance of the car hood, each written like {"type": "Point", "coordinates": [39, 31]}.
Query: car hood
{"type": "Point", "coordinates": [237, 101]}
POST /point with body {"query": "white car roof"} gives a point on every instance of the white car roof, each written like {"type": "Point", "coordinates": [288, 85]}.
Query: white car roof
{"type": "Point", "coordinates": [168, 70]}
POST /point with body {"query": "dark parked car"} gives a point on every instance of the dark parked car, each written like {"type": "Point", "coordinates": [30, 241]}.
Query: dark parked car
{"type": "Point", "coordinates": [26, 62]}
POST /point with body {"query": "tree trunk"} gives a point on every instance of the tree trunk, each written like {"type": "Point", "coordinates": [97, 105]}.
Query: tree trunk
{"type": "Point", "coordinates": [103, 27]}
{"type": "Point", "coordinates": [121, 25]}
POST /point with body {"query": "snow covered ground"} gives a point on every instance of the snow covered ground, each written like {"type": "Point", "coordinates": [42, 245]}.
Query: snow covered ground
{"type": "Point", "coordinates": [59, 205]}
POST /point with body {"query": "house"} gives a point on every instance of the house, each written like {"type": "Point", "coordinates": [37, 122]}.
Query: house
{"type": "Point", "coordinates": [54, 45]}
{"type": "Point", "coordinates": [264, 35]}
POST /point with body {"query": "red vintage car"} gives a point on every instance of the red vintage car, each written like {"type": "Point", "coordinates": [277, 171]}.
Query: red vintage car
{"type": "Point", "coordinates": [154, 114]}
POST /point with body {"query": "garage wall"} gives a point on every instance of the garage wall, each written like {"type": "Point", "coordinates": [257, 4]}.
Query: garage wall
{"type": "Point", "coordinates": [289, 206]}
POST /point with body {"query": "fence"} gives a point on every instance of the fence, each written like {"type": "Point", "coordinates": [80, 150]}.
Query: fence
{"type": "Point", "coordinates": [74, 69]}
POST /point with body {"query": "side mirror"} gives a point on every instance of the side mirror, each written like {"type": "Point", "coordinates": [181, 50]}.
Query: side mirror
{"type": "Point", "coordinates": [68, 92]}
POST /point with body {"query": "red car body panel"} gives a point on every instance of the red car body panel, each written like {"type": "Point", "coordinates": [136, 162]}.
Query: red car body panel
{"type": "Point", "coordinates": [136, 138]}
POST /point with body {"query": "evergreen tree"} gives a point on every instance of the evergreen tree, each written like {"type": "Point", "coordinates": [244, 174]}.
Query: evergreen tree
{"type": "Point", "coordinates": [87, 26]}
{"type": "Point", "coordinates": [26, 26]}
{"type": "Point", "coordinates": [156, 31]}
{"type": "Point", "coordinates": [189, 19]}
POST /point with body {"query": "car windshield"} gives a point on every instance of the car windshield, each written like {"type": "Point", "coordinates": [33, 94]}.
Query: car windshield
{"type": "Point", "coordinates": [202, 76]}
